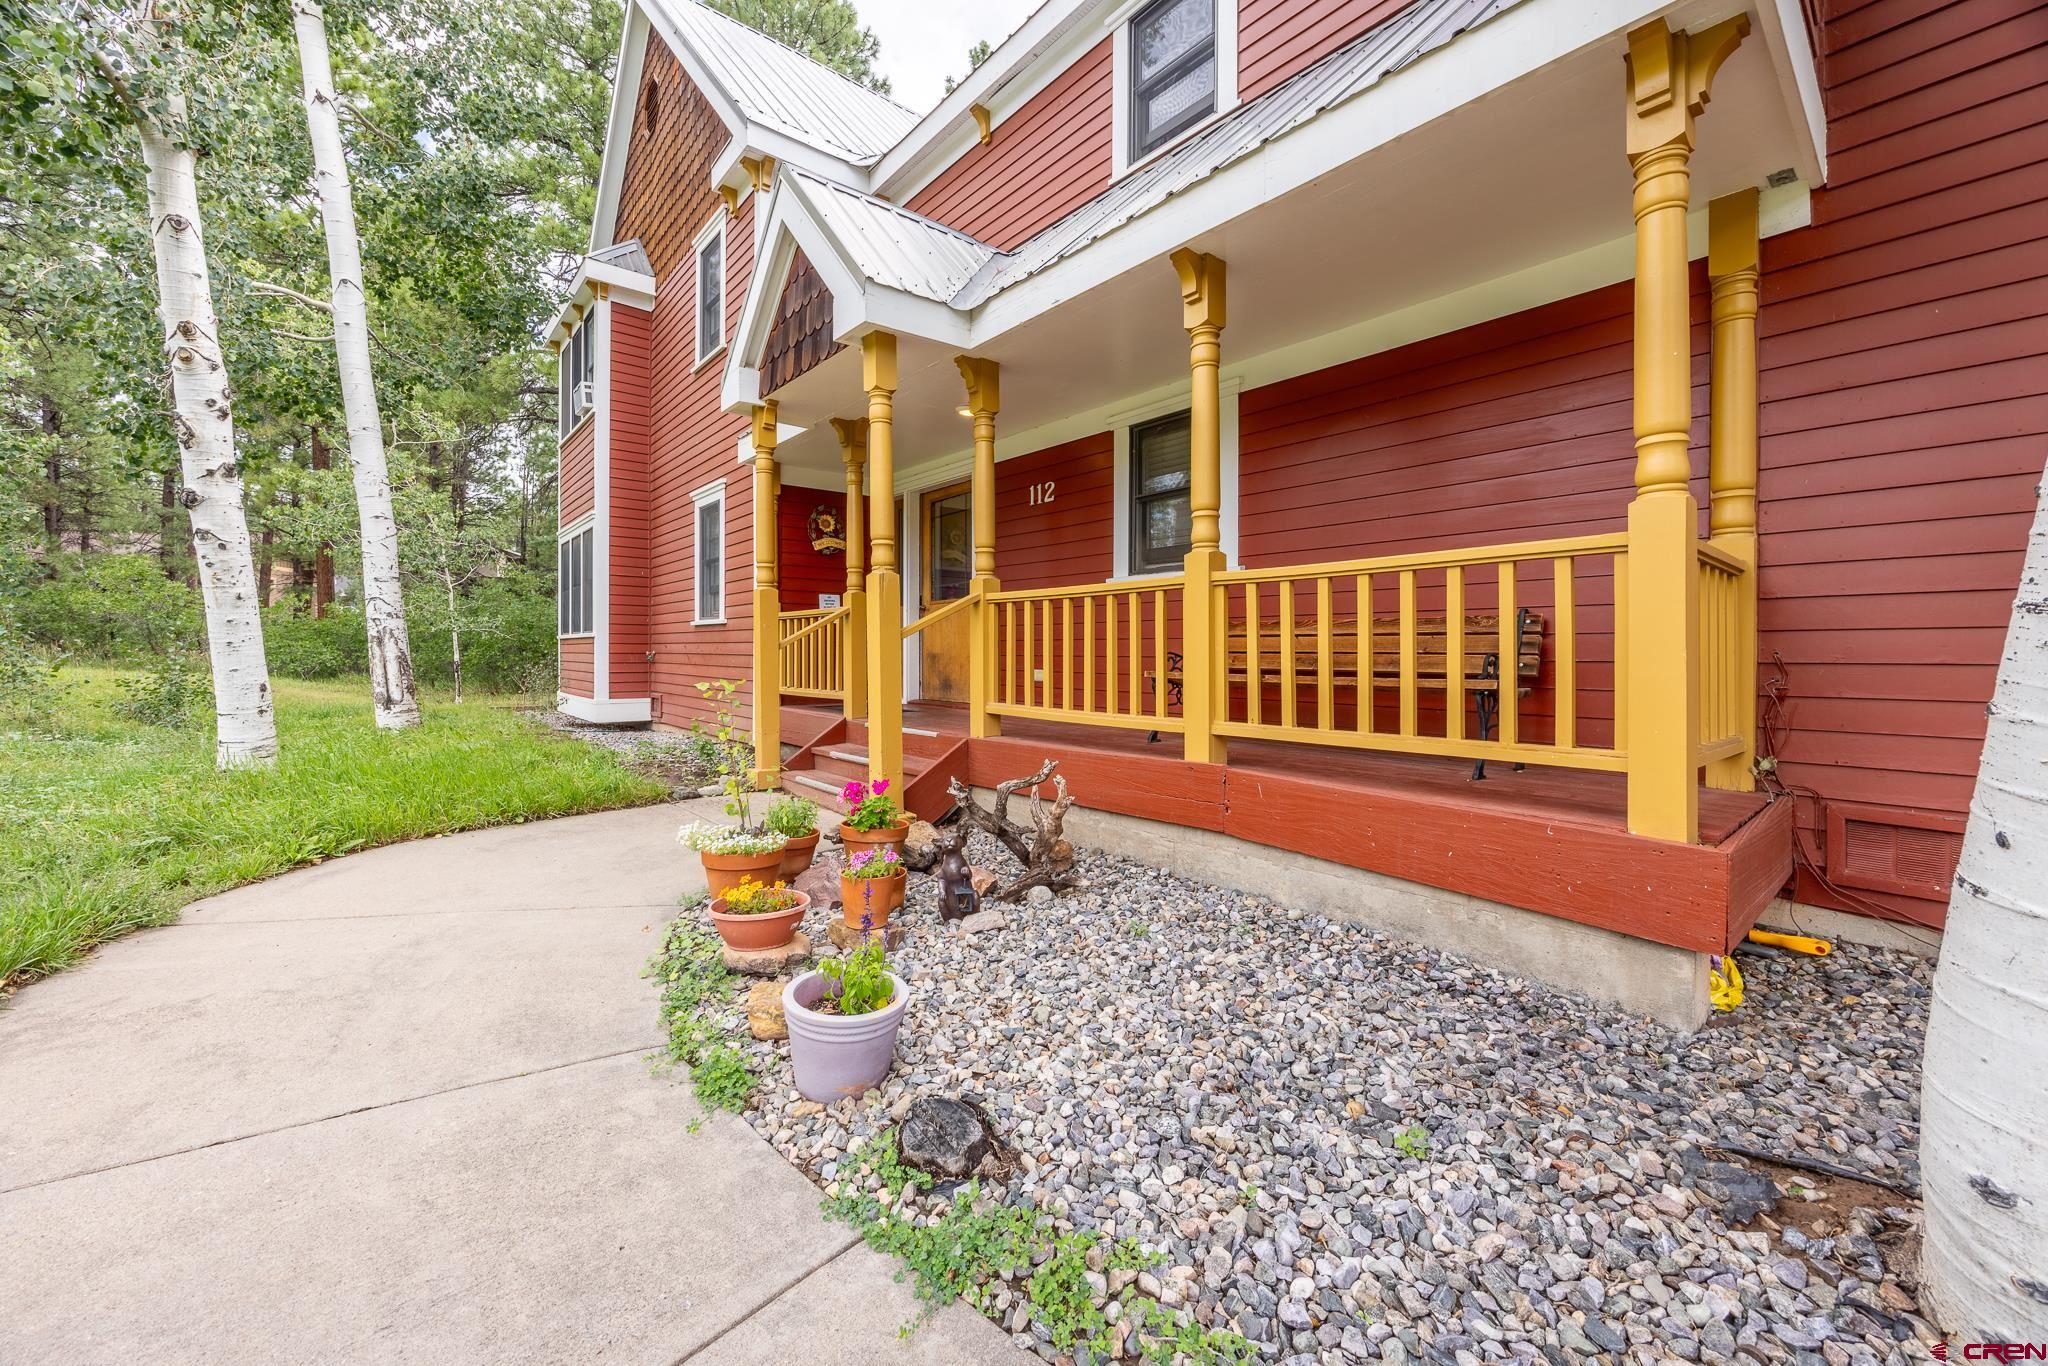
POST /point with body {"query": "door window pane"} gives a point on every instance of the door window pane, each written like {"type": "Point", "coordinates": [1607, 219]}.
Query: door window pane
{"type": "Point", "coordinates": [952, 548]}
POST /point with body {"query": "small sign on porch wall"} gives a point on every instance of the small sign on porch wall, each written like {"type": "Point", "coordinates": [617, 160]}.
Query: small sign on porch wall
{"type": "Point", "coordinates": [1041, 493]}
{"type": "Point", "coordinates": [828, 602]}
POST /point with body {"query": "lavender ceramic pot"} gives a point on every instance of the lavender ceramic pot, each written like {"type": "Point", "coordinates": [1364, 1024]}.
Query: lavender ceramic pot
{"type": "Point", "coordinates": [837, 1056]}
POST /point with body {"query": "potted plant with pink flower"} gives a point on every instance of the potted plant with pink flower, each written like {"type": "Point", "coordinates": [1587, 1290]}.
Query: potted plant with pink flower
{"type": "Point", "coordinates": [871, 887]}
{"type": "Point", "coordinates": [873, 820]}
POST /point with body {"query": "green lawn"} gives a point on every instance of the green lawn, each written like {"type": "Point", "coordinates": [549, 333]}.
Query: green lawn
{"type": "Point", "coordinates": [107, 825]}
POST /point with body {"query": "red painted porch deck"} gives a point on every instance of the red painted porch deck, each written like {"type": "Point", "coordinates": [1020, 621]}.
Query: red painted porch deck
{"type": "Point", "coordinates": [1549, 840]}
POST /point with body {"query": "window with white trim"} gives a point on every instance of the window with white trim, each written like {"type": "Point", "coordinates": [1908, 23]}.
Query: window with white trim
{"type": "Point", "coordinates": [711, 289]}
{"type": "Point", "coordinates": [574, 578]}
{"type": "Point", "coordinates": [1172, 72]}
{"type": "Point", "coordinates": [1161, 515]}
{"type": "Point", "coordinates": [710, 555]}
{"type": "Point", "coordinates": [578, 375]}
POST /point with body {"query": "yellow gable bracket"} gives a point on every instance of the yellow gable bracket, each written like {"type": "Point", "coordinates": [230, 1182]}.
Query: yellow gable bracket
{"type": "Point", "coordinates": [1670, 76]}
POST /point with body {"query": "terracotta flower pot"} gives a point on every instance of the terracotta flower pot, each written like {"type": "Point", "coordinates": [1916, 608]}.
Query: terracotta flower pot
{"type": "Point", "coordinates": [888, 837]}
{"type": "Point", "coordinates": [723, 872]}
{"type": "Point", "coordinates": [874, 897]}
{"type": "Point", "coordinates": [750, 932]}
{"type": "Point", "coordinates": [797, 855]}
{"type": "Point", "coordinates": [837, 1056]}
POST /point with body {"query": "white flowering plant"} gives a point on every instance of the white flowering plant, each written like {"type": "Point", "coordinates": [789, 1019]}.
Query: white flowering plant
{"type": "Point", "coordinates": [707, 837]}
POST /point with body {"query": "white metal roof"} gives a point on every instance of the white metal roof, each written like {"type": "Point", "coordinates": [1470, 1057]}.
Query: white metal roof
{"type": "Point", "coordinates": [782, 89]}
{"type": "Point", "coordinates": [892, 246]}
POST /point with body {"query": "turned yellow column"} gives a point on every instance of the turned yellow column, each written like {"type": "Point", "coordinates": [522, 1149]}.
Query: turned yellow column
{"type": "Point", "coordinates": [1203, 699]}
{"type": "Point", "coordinates": [885, 583]}
{"type": "Point", "coordinates": [1668, 79]}
{"type": "Point", "coordinates": [767, 607]}
{"type": "Point", "coordinates": [1734, 265]}
{"type": "Point", "coordinates": [853, 453]}
{"type": "Point", "coordinates": [984, 399]}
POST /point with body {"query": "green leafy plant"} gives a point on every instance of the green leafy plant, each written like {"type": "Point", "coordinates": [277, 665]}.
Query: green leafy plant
{"type": "Point", "coordinates": [722, 1079]}
{"type": "Point", "coordinates": [860, 981]}
{"type": "Point", "coordinates": [175, 691]}
{"type": "Point", "coordinates": [869, 807]}
{"type": "Point", "coordinates": [1412, 1141]}
{"type": "Point", "coordinates": [1248, 1195]}
{"type": "Point", "coordinates": [751, 897]}
{"type": "Point", "coordinates": [729, 840]}
{"type": "Point", "coordinates": [792, 817]}
{"type": "Point", "coordinates": [1139, 930]}
{"type": "Point", "coordinates": [697, 989]}
{"type": "Point", "coordinates": [873, 863]}
{"type": "Point", "coordinates": [735, 759]}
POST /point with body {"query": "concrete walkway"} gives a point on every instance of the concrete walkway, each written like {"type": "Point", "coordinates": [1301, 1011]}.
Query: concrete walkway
{"type": "Point", "coordinates": [398, 1107]}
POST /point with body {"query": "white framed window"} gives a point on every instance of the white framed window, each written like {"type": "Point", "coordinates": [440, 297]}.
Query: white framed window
{"type": "Point", "coordinates": [575, 577]}
{"type": "Point", "coordinates": [708, 539]}
{"type": "Point", "coordinates": [1150, 483]}
{"type": "Point", "coordinates": [578, 378]}
{"type": "Point", "coordinates": [710, 256]}
{"type": "Point", "coordinates": [1175, 70]}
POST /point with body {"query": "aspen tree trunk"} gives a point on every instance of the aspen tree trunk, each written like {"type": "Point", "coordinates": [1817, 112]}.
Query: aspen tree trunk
{"type": "Point", "coordinates": [245, 731]}
{"type": "Point", "coordinates": [1984, 1094]}
{"type": "Point", "coordinates": [391, 682]}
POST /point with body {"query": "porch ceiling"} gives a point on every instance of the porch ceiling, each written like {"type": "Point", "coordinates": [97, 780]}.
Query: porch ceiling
{"type": "Point", "coordinates": [1529, 178]}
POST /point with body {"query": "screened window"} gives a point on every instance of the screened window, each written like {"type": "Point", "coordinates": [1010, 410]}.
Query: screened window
{"type": "Point", "coordinates": [1160, 513]}
{"type": "Point", "coordinates": [578, 378]}
{"type": "Point", "coordinates": [711, 290]}
{"type": "Point", "coordinates": [573, 579]}
{"type": "Point", "coordinates": [711, 555]}
{"type": "Point", "coordinates": [1173, 71]}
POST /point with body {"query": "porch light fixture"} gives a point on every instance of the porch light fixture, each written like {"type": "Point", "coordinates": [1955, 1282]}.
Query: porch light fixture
{"type": "Point", "coordinates": [965, 412]}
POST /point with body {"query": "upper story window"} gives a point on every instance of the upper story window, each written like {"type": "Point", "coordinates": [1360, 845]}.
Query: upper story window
{"type": "Point", "coordinates": [1161, 515]}
{"type": "Point", "coordinates": [711, 289]}
{"type": "Point", "coordinates": [579, 375]}
{"type": "Point", "coordinates": [1173, 61]}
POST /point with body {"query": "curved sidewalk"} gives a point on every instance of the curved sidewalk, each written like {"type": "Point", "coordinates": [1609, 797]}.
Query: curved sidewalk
{"type": "Point", "coordinates": [398, 1107]}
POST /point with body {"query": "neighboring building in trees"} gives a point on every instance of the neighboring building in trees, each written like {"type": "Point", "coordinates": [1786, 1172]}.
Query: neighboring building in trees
{"type": "Point", "coordinates": [1680, 454]}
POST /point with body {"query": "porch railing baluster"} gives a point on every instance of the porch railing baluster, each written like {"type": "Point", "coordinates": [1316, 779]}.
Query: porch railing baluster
{"type": "Point", "coordinates": [1565, 605]}
{"type": "Point", "coordinates": [1508, 725]}
{"type": "Point", "coordinates": [1326, 659]}
{"type": "Point", "coordinates": [1454, 652]}
{"type": "Point", "coordinates": [1409, 682]}
{"type": "Point", "coordinates": [1287, 680]}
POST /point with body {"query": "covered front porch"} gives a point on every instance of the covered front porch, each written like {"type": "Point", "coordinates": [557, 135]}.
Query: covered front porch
{"type": "Point", "coordinates": [1565, 725]}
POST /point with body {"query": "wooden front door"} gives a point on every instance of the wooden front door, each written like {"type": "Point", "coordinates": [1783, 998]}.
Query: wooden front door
{"type": "Point", "coordinates": [948, 569]}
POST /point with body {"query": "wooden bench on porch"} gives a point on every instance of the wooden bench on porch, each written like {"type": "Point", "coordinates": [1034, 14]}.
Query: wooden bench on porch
{"type": "Point", "coordinates": [1482, 663]}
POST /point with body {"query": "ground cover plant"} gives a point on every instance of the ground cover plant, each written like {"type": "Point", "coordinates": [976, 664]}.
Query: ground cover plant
{"type": "Point", "coordinates": [110, 822]}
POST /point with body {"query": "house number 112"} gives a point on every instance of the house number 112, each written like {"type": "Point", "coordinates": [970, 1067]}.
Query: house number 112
{"type": "Point", "coordinates": [1041, 493]}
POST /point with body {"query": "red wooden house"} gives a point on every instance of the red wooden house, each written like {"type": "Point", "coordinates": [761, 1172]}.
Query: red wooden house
{"type": "Point", "coordinates": [1545, 476]}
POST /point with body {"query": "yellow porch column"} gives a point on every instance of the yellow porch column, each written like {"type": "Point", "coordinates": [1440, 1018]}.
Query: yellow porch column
{"type": "Point", "coordinates": [984, 399]}
{"type": "Point", "coordinates": [885, 583]}
{"type": "Point", "coordinates": [853, 453]}
{"type": "Point", "coordinates": [1203, 700]}
{"type": "Point", "coordinates": [767, 607]}
{"type": "Point", "coordinates": [1734, 265]}
{"type": "Point", "coordinates": [1668, 79]}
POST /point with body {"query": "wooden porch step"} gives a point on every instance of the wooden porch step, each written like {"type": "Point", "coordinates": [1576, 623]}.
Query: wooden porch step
{"type": "Point", "coordinates": [809, 785]}
{"type": "Point", "coordinates": [851, 761]}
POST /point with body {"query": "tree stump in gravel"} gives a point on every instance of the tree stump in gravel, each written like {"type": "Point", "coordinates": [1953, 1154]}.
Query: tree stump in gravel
{"type": "Point", "coordinates": [1047, 856]}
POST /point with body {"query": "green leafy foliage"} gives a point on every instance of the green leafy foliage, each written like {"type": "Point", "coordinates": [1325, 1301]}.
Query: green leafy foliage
{"type": "Point", "coordinates": [860, 983]}
{"type": "Point", "coordinates": [721, 1078]}
{"type": "Point", "coordinates": [698, 993]}
{"type": "Point", "coordinates": [107, 825]}
{"type": "Point", "coordinates": [793, 817]}
{"type": "Point", "coordinates": [1412, 1141]}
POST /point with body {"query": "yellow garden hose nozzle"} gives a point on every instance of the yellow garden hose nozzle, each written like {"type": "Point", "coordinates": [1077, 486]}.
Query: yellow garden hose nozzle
{"type": "Point", "coordinates": [1798, 943]}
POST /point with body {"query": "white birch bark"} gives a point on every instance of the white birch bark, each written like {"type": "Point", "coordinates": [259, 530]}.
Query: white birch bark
{"type": "Point", "coordinates": [1984, 1094]}
{"type": "Point", "coordinates": [245, 730]}
{"type": "Point", "coordinates": [391, 681]}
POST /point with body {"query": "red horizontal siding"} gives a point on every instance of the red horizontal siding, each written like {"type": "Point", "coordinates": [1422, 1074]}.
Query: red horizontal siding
{"type": "Point", "coordinates": [1276, 38]}
{"type": "Point", "coordinates": [575, 675]}
{"type": "Point", "coordinates": [632, 523]}
{"type": "Point", "coordinates": [1066, 540]}
{"type": "Point", "coordinates": [1044, 161]}
{"type": "Point", "coordinates": [801, 572]}
{"type": "Point", "coordinates": [578, 475]}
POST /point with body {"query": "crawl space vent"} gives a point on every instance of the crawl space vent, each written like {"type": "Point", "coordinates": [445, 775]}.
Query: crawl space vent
{"type": "Point", "coordinates": [1880, 849]}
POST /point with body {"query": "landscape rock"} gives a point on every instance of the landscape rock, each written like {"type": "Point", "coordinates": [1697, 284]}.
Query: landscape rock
{"type": "Point", "coordinates": [921, 847]}
{"type": "Point", "coordinates": [764, 1011]}
{"type": "Point", "coordinates": [1039, 896]}
{"type": "Point", "coordinates": [770, 962]}
{"type": "Point", "coordinates": [846, 938]}
{"type": "Point", "coordinates": [982, 880]}
{"type": "Point", "coordinates": [820, 882]}
{"type": "Point", "coordinates": [981, 922]}
{"type": "Point", "coordinates": [944, 1137]}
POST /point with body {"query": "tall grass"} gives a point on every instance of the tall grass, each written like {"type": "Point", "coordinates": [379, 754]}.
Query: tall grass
{"type": "Point", "coordinates": [107, 825]}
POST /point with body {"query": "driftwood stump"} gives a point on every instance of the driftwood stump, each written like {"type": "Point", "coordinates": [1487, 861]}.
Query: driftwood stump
{"type": "Point", "coordinates": [1047, 856]}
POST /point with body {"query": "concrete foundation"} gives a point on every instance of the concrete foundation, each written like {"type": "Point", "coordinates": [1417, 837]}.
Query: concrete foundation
{"type": "Point", "coordinates": [1667, 984]}
{"type": "Point", "coordinates": [1796, 917]}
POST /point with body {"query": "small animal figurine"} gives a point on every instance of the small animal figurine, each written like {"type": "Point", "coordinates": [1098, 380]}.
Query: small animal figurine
{"type": "Point", "coordinates": [957, 900]}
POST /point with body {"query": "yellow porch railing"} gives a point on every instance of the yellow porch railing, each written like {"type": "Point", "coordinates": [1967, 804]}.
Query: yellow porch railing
{"type": "Point", "coordinates": [1727, 700]}
{"type": "Point", "coordinates": [813, 652]}
{"type": "Point", "coordinates": [1097, 654]}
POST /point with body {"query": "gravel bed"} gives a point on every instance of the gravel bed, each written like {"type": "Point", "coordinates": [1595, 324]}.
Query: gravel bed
{"type": "Point", "coordinates": [1225, 1079]}
{"type": "Point", "coordinates": [665, 755]}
